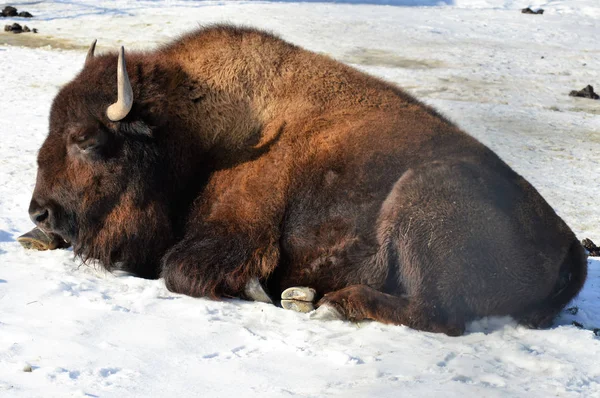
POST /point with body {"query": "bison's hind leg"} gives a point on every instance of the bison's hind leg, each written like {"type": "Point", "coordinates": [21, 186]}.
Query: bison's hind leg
{"type": "Point", "coordinates": [360, 302]}
{"type": "Point", "coordinates": [572, 275]}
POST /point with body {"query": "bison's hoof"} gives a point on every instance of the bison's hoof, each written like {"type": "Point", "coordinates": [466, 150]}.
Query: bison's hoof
{"type": "Point", "coordinates": [326, 313]}
{"type": "Point", "coordinates": [36, 239]}
{"type": "Point", "coordinates": [299, 299]}
{"type": "Point", "coordinates": [255, 291]}
{"type": "Point", "coordinates": [299, 293]}
{"type": "Point", "coordinates": [298, 306]}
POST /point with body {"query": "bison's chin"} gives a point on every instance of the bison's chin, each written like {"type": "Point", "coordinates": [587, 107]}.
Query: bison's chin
{"type": "Point", "coordinates": [129, 239]}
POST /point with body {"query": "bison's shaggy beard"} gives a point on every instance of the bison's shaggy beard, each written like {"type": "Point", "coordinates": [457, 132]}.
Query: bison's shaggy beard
{"type": "Point", "coordinates": [131, 237]}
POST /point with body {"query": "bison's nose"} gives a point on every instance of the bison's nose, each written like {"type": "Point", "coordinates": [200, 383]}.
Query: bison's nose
{"type": "Point", "coordinates": [38, 214]}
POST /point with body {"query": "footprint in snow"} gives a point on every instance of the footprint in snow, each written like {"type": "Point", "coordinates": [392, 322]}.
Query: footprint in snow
{"type": "Point", "coordinates": [447, 359]}
{"type": "Point", "coordinates": [107, 372]}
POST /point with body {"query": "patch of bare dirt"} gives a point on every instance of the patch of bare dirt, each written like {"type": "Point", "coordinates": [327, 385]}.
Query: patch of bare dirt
{"type": "Point", "coordinates": [37, 41]}
{"type": "Point", "coordinates": [376, 57]}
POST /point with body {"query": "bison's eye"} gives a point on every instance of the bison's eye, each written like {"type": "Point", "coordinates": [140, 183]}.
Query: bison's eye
{"type": "Point", "coordinates": [88, 141]}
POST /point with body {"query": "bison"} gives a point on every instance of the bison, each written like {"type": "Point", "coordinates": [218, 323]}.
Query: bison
{"type": "Point", "coordinates": [231, 155]}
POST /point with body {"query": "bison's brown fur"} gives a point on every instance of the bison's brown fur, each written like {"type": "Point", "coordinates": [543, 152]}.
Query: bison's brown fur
{"type": "Point", "coordinates": [246, 156]}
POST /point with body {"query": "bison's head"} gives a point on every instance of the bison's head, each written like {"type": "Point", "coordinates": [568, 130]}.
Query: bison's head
{"type": "Point", "coordinates": [103, 182]}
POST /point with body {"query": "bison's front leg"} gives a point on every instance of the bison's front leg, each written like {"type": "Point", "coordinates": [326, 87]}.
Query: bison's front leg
{"type": "Point", "coordinates": [217, 263]}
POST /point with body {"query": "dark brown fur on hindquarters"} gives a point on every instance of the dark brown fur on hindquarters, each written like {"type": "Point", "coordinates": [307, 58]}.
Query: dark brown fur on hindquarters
{"type": "Point", "coordinates": [245, 157]}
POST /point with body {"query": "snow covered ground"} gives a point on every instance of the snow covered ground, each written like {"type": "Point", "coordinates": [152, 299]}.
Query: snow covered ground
{"type": "Point", "coordinates": [501, 75]}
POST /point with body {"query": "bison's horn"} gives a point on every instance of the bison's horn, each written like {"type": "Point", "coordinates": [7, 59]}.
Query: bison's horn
{"type": "Point", "coordinates": [121, 108]}
{"type": "Point", "coordinates": [90, 54]}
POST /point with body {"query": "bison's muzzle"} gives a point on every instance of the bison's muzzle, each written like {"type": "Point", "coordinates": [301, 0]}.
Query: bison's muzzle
{"type": "Point", "coordinates": [42, 216]}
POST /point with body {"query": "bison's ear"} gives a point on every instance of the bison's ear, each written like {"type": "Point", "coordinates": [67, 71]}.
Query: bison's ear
{"type": "Point", "coordinates": [87, 141]}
